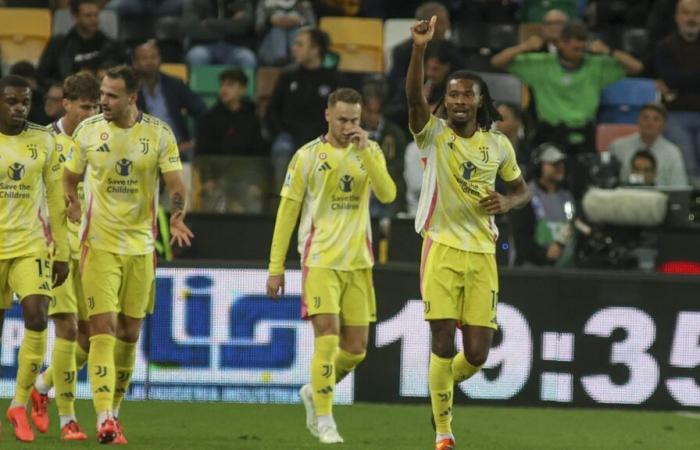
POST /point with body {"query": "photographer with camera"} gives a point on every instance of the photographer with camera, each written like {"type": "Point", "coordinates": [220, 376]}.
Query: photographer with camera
{"type": "Point", "coordinates": [542, 230]}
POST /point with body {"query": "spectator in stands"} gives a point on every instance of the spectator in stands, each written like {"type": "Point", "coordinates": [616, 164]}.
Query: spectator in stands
{"type": "Point", "coordinates": [279, 21]}
{"type": "Point", "coordinates": [26, 70]}
{"type": "Point", "coordinates": [401, 54]}
{"type": "Point", "coordinates": [84, 47]}
{"type": "Point", "coordinates": [295, 110]}
{"type": "Point", "coordinates": [511, 124]}
{"type": "Point", "coordinates": [392, 141]}
{"type": "Point", "coordinates": [660, 21]}
{"type": "Point", "coordinates": [542, 230]}
{"type": "Point", "coordinates": [652, 121]}
{"type": "Point", "coordinates": [53, 106]}
{"type": "Point", "coordinates": [218, 32]}
{"type": "Point", "coordinates": [550, 31]}
{"type": "Point", "coordinates": [643, 169]}
{"type": "Point", "coordinates": [677, 64]}
{"type": "Point", "coordinates": [157, 8]}
{"type": "Point", "coordinates": [230, 127]}
{"type": "Point", "coordinates": [438, 65]}
{"type": "Point", "coordinates": [166, 97]}
{"type": "Point", "coordinates": [567, 85]}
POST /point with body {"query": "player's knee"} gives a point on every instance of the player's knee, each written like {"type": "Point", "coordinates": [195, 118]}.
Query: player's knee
{"type": "Point", "coordinates": [67, 332]}
{"type": "Point", "coordinates": [128, 334]}
{"type": "Point", "coordinates": [36, 322]}
{"type": "Point", "coordinates": [476, 356]}
{"type": "Point", "coordinates": [444, 348]}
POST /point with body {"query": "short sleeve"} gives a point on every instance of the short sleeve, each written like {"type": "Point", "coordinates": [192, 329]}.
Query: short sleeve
{"type": "Point", "coordinates": [425, 138]}
{"type": "Point", "coordinates": [76, 158]}
{"type": "Point", "coordinates": [526, 66]}
{"type": "Point", "coordinates": [168, 153]}
{"type": "Point", "coordinates": [509, 169]}
{"type": "Point", "coordinates": [294, 185]}
{"type": "Point", "coordinates": [610, 70]}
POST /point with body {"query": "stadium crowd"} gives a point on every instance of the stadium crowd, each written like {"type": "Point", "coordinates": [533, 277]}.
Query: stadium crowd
{"type": "Point", "coordinates": [244, 83]}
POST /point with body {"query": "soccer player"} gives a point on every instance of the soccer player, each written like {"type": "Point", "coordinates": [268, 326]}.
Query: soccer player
{"type": "Point", "coordinates": [30, 177]}
{"type": "Point", "coordinates": [459, 282]}
{"type": "Point", "coordinates": [120, 152]}
{"type": "Point", "coordinates": [329, 181]}
{"type": "Point", "coordinates": [81, 94]}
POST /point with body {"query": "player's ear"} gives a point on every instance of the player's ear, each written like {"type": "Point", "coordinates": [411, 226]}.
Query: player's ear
{"type": "Point", "coordinates": [327, 114]}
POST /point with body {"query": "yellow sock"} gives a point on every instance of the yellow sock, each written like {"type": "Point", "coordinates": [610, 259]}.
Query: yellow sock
{"type": "Point", "coordinates": [30, 359]}
{"type": "Point", "coordinates": [101, 371]}
{"type": "Point", "coordinates": [124, 361]}
{"type": "Point", "coordinates": [48, 377]}
{"type": "Point", "coordinates": [322, 376]}
{"type": "Point", "coordinates": [81, 357]}
{"type": "Point", "coordinates": [462, 369]}
{"type": "Point", "coordinates": [63, 363]}
{"type": "Point", "coordinates": [345, 362]}
{"type": "Point", "coordinates": [441, 392]}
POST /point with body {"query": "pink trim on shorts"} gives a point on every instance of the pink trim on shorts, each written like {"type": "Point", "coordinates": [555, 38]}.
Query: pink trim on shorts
{"type": "Point", "coordinates": [426, 251]}
{"type": "Point", "coordinates": [304, 273]}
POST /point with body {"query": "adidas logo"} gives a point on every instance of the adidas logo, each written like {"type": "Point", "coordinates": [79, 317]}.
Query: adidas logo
{"type": "Point", "coordinates": [119, 391]}
{"type": "Point", "coordinates": [68, 395]}
{"type": "Point", "coordinates": [325, 390]}
{"type": "Point", "coordinates": [325, 166]}
{"type": "Point", "coordinates": [45, 286]}
{"type": "Point", "coordinates": [103, 148]}
{"type": "Point", "coordinates": [103, 389]}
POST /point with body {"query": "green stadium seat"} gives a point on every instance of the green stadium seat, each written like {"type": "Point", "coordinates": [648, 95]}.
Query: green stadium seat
{"type": "Point", "coordinates": [204, 80]}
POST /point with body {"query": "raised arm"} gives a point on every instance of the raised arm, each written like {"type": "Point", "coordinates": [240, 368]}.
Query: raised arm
{"type": "Point", "coordinates": [503, 59]}
{"type": "Point", "coordinates": [418, 109]}
{"type": "Point", "coordinates": [631, 64]}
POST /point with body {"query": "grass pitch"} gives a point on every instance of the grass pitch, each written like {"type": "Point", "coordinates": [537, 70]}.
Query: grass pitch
{"type": "Point", "coordinates": [194, 426]}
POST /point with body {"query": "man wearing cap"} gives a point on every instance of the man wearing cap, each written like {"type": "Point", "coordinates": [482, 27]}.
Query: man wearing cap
{"type": "Point", "coordinates": [542, 230]}
{"type": "Point", "coordinates": [670, 168]}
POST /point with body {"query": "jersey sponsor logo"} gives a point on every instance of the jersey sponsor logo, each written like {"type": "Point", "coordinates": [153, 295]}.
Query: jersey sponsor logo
{"type": "Point", "coordinates": [33, 150]}
{"type": "Point", "coordinates": [468, 168]}
{"type": "Point", "coordinates": [144, 145]}
{"type": "Point", "coordinates": [104, 148]}
{"type": "Point", "coordinates": [325, 166]}
{"type": "Point", "coordinates": [345, 183]}
{"type": "Point", "coordinates": [16, 171]}
{"type": "Point", "coordinates": [123, 167]}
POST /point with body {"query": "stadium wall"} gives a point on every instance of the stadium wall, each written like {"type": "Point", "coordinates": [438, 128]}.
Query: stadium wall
{"type": "Point", "coordinates": [568, 338]}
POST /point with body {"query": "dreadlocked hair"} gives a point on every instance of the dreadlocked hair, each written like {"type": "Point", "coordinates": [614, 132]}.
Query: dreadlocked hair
{"type": "Point", "coordinates": [487, 113]}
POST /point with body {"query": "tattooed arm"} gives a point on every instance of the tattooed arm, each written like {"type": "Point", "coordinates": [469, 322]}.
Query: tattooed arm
{"type": "Point", "coordinates": [178, 193]}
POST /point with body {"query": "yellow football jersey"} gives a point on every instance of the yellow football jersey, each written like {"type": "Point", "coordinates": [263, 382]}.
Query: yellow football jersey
{"type": "Point", "coordinates": [30, 183]}
{"type": "Point", "coordinates": [64, 147]}
{"type": "Point", "coordinates": [458, 172]}
{"type": "Point", "coordinates": [334, 189]}
{"type": "Point", "coordinates": [121, 181]}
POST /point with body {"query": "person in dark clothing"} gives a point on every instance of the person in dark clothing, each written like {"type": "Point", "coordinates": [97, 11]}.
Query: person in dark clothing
{"type": "Point", "coordinates": [218, 32]}
{"type": "Point", "coordinates": [677, 64]}
{"type": "Point", "coordinates": [84, 47]}
{"type": "Point", "coordinates": [542, 230]}
{"type": "Point", "coordinates": [401, 54]}
{"type": "Point", "coordinates": [438, 65]}
{"type": "Point", "coordinates": [295, 111]}
{"type": "Point", "coordinates": [230, 127]}
{"type": "Point", "coordinates": [166, 97]}
{"type": "Point", "coordinates": [26, 70]}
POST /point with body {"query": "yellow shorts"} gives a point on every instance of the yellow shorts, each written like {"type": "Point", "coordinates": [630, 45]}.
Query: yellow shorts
{"type": "Point", "coordinates": [68, 297]}
{"type": "Point", "coordinates": [460, 285]}
{"type": "Point", "coordinates": [347, 293]}
{"type": "Point", "coordinates": [118, 283]}
{"type": "Point", "coordinates": [25, 275]}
